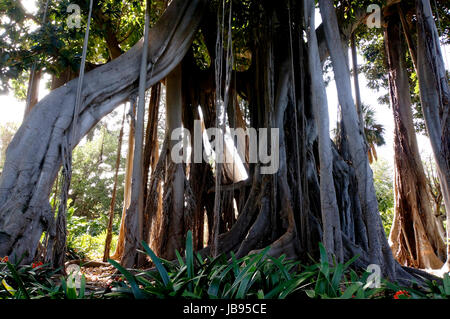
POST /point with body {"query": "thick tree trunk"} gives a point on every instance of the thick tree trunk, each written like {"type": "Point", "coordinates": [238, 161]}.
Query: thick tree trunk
{"type": "Point", "coordinates": [379, 251]}
{"type": "Point", "coordinates": [34, 157]}
{"type": "Point", "coordinates": [332, 237]}
{"type": "Point", "coordinates": [435, 99]}
{"type": "Point", "coordinates": [415, 239]}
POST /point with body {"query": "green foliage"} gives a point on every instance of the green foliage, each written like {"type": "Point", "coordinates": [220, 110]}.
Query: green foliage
{"type": "Point", "coordinates": [433, 290]}
{"type": "Point", "coordinates": [37, 281]}
{"type": "Point", "coordinates": [253, 276]}
{"type": "Point", "coordinates": [90, 247]}
{"type": "Point", "coordinates": [257, 276]}
{"type": "Point", "coordinates": [384, 188]}
{"type": "Point", "coordinates": [373, 130]}
{"type": "Point", "coordinates": [56, 47]}
{"type": "Point", "coordinates": [336, 280]}
{"type": "Point", "coordinates": [86, 238]}
{"type": "Point", "coordinates": [93, 178]}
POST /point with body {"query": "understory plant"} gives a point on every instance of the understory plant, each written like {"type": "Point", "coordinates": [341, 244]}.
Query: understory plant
{"type": "Point", "coordinates": [38, 281]}
{"type": "Point", "coordinates": [253, 276]}
{"type": "Point", "coordinates": [256, 276]}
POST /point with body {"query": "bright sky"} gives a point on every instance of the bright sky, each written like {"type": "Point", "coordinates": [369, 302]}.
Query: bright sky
{"type": "Point", "coordinates": [11, 110]}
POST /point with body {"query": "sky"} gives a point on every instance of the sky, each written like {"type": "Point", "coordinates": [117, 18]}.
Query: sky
{"type": "Point", "coordinates": [11, 110]}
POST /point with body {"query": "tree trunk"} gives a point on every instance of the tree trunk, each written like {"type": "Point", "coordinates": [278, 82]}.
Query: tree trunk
{"type": "Point", "coordinates": [173, 226]}
{"type": "Point", "coordinates": [434, 97]}
{"type": "Point", "coordinates": [415, 239]}
{"type": "Point", "coordinates": [33, 90]}
{"type": "Point", "coordinates": [113, 197]}
{"type": "Point", "coordinates": [356, 81]}
{"type": "Point", "coordinates": [127, 187]}
{"type": "Point", "coordinates": [135, 213]}
{"type": "Point", "coordinates": [378, 247]}
{"type": "Point", "coordinates": [332, 238]}
{"type": "Point", "coordinates": [151, 150]}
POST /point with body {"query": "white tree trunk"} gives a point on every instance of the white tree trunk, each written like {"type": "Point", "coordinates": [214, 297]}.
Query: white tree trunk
{"type": "Point", "coordinates": [332, 238]}
{"type": "Point", "coordinates": [378, 245]}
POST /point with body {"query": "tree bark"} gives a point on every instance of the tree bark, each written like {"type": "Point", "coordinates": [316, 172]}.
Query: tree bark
{"type": "Point", "coordinates": [174, 189]}
{"type": "Point", "coordinates": [113, 197]}
{"type": "Point", "coordinates": [33, 90]}
{"type": "Point", "coordinates": [434, 97]}
{"type": "Point", "coordinates": [415, 239]}
{"type": "Point", "coordinates": [332, 238]}
{"type": "Point", "coordinates": [135, 213]}
{"type": "Point", "coordinates": [378, 246]}
{"type": "Point", "coordinates": [127, 187]}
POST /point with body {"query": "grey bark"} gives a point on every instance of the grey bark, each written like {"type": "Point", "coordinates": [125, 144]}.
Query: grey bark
{"type": "Point", "coordinates": [434, 96]}
{"type": "Point", "coordinates": [134, 215]}
{"type": "Point", "coordinates": [330, 215]}
{"type": "Point", "coordinates": [378, 247]}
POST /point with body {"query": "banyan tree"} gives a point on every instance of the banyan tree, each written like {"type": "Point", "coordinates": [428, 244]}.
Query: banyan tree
{"type": "Point", "coordinates": [261, 66]}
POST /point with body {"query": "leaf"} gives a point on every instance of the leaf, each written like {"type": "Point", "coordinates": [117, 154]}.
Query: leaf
{"type": "Point", "coordinates": [130, 278]}
{"type": "Point", "coordinates": [281, 267]}
{"type": "Point", "coordinates": [10, 289]}
{"type": "Point", "coordinates": [71, 290]}
{"type": "Point", "coordinates": [350, 261]}
{"type": "Point", "coordinates": [179, 258]}
{"type": "Point", "coordinates": [446, 281]}
{"type": "Point", "coordinates": [17, 279]}
{"type": "Point", "coordinates": [189, 257]}
{"type": "Point", "coordinates": [324, 264]}
{"type": "Point", "coordinates": [82, 287]}
{"type": "Point", "coordinates": [351, 290]}
{"type": "Point", "coordinates": [337, 276]}
{"type": "Point", "coordinates": [162, 271]}
{"type": "Point", "coordinates": [310, 293]}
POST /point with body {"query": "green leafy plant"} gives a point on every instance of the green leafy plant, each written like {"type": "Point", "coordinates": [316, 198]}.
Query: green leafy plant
{"type": "Point", "coordinates": [337, 280]}
{"type": "Point", "coordinates": [38, 281]}
{"type": "Point", "coordinates": [254, 276]}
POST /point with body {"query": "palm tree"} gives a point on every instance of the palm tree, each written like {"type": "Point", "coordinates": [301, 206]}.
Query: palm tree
{"type": "Point", "coordinates": [373, 131]}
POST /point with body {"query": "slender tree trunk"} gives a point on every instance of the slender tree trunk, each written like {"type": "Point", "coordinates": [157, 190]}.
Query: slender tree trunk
{"type": "Point", "coordinates": [434, 96]}
{"type": "Point", "coordinates": [150, 154]}
{"type": "Point", "coordinates": [415, 239]}
{"type": "Point", "coordinates": [135, 212]}
{"type": "Point", "coordinates": [173, 226]}
{"type": "Point", "coordinates": [127, 187]}
{"type": "Point", "coordinates": [356, 81]}
{"type": "Point", "coordinates": [33, 90]}
{"type": "Point", "coordinates": [113, 197]}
